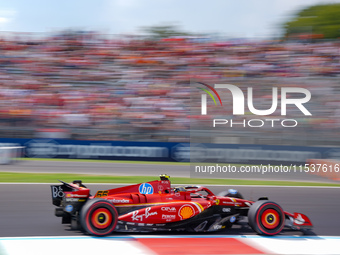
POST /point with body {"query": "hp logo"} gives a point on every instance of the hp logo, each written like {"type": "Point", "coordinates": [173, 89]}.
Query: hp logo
{"type": "Point", "coordinates": [145, 188]}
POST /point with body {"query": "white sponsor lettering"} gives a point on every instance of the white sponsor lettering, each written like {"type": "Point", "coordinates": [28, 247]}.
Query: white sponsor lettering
{"type": "Point", "coordinates": [227, 203]}
{"type": "Point", "coordinates": [226, 210]}
{"type": "Point", "coordinates": [119, 200]}
{"type": "Point", "coordinates": [168, 209]}
{"type": "Point", "coordinates": [168, 217]}
{"type": "Point", "coordinates": [216, 227]}
{"type": "Point", "coordinates": [139, 217]}
{"type": "Point", "coordinates": [73, 200]}
{"type": "Point", "coordinates": [75, 195]}
{"type": "Point", "coordinates": [57, 192]}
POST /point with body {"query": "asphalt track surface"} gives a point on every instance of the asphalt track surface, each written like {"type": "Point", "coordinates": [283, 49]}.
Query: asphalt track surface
{"type": "Point", "coordinates": [133, 169]}
{"type": "Point", "coordinates": [27, 210]}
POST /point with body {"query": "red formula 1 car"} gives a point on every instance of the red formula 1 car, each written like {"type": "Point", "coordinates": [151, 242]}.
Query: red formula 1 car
{"type": "Point", "coordinates": [155, 206]}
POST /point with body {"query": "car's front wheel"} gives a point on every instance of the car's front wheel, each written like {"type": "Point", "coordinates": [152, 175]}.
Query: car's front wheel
{"type": "Point", "coordinates": [266, 217]}
{"type": "Point", "coordinates": [98, 217]}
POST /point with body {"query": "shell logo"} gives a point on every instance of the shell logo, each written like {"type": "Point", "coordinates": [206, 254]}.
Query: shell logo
{"type": "Point", "coordinates": [186, 211]}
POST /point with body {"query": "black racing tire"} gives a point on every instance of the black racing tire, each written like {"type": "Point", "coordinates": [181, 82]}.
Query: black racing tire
{"type": "Point", "coordinates": [98, 217]}
{"type": "Point", "coordinates": [266, 218]}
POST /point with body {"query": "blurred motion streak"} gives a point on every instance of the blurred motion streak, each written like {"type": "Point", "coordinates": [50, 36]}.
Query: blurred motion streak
{"type": "Point", "coordinates": [84, 85]}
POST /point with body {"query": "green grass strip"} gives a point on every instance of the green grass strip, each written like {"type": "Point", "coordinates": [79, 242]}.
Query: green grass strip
{"type": "Point", "coordinates": [53, 177]}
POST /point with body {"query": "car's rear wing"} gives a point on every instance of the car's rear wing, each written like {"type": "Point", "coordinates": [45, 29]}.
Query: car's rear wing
{"type": "Point", "coordinates": [58, 191]}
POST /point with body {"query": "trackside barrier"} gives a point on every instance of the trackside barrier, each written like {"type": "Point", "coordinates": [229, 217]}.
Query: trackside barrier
{"type": "Point", "coordinates": [9, 154]}
{"type": "Point", "coordinates": [103, 150]}
{"type": "Point", "coordinates": [328, 168]}
{"type": "Point", "coordinates": [170, 151]}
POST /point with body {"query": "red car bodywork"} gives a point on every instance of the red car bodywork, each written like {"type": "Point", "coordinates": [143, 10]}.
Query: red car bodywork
{"type": "Point", "coordinates": [155, 205]}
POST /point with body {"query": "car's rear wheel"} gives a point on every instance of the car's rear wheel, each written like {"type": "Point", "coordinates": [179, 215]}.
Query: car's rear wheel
{"type": "Point", "coordinates": [266, 217]}
{"type": "Point", "coordinates": [98, 217]}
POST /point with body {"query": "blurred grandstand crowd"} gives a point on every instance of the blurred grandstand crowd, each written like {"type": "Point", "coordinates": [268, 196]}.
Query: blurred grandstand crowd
{"type": "Point", "coordinates": [131, 88]}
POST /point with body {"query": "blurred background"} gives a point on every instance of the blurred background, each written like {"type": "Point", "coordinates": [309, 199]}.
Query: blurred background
{"type": "Point", "coordinates": [121, 70]}
{"type": "Point", "coordinates": [115, 80]}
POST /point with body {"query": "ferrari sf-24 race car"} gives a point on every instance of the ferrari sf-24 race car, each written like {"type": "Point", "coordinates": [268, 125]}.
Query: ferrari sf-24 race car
{"type": "Point", "coordinates": [156, 206]}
